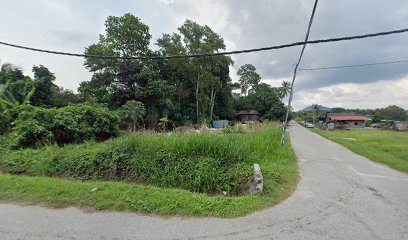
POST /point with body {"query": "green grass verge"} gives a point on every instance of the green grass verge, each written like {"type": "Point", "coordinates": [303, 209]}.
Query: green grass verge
{"type": "Point", "coordinates": [384, 146]}
{"type": "Point", "coordinates": [278, 165]}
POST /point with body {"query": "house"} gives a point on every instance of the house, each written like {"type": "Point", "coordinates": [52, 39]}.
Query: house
{"type": "Point", "coordinates": [342, 121]}
{"type": "Point", "coordinates": [248, 116]}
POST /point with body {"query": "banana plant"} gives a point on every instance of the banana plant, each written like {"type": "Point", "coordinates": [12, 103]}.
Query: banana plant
{"type": "Point", "coordinates": [8, 102]}
{"type": "Point", "coordinates": [10, 106]}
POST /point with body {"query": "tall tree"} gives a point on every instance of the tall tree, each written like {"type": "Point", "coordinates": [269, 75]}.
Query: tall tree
{"type": "Point", "coordinates": [9, 72]}
{"type": "Point", "coordinates": [121, 80]}
{"type": "Point", "coordinates": [248, 77]}
{"type": "Point", "coordinates": [124, 36]}
{"type": "Point", "coordinates": [284, 90]}
{"type": "Point", "coordinates": [43, 82]}
{"type": "Point", "coordinates": [193, 38]}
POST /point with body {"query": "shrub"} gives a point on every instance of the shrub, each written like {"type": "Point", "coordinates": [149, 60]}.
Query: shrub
{"type": "Point", "coordinates": [200, 163]}
{"type": "Point", "coordinates": [72, 124]}
{"type": "Point", "coordinates": [237, 129]}
{"type": "Point", "coordinates": [204, 163]}
{"type": "Point", "coordinates": [5, 122]}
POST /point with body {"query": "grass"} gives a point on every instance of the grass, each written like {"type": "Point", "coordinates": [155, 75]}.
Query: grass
{"type": "Point", "coordinates": [262, 146]}
{"type": "Point", "coordinates": [384, 146]}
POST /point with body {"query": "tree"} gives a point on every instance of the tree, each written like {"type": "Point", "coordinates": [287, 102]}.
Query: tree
{"type": "Point", "coordinates": [316, 111]}
{"type": "Point", "coordinates": [124, 36]}
{"type": "Point", "coordinates": [9, 72]}
{"type": "Point", "coordinates": [248, 77]}
{"type": "Point", "coordinates": [120, 80]}
{"type": "Point", "coordinates": [199, 74]}
{"type": "Point", "coordinates": [338, 110]}
{"type": "Point", "coordinates": [10, 106]}
{"type": "Point", "coordinates": [392, 112]}
{"type": "Point", "coordinates": [285, 89]}
{"type": "Point", "coordinates": [18, 85]}
{"type": "Point", "coordinates": [47, 94]}
{"type": "Point", "coordinates": [264, 99]}
{"type": "Point", "coordinates": [43, 82]}
{"type": "Point", "coordinates": [61, 97]}
{"type": "Point", "coordinates": [135, 111]}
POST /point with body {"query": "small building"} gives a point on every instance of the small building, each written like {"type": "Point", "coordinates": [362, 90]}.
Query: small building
{"type": "Point", "coordinates": [343, 121]}
{"type": "Point", "coordinates": [401, 126]}
{"type": "Point", "coordinates": [248, 116]}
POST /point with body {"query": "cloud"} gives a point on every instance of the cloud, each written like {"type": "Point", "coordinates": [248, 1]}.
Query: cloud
{"type": "Point", "coordinates": [352, 95]}
{"type": "Point", "coordinates": [72, 25]}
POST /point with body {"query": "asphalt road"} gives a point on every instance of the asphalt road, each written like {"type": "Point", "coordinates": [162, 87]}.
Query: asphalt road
{"type": "Point", "coordinates": [341, 196]}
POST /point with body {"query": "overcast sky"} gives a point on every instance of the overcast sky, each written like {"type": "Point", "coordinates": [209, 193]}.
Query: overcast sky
{"type": "Point", "coordinates": [72, 25]}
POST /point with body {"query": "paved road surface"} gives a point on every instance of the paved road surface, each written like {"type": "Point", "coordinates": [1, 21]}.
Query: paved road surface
{"type": "Point", "coordinates": [341, 196]}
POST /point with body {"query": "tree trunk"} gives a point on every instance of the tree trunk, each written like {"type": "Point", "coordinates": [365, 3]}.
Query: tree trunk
{"type": "Point", "coordinates": [197, 105]}
{"type": "Point", "coordinates": [213, 95]}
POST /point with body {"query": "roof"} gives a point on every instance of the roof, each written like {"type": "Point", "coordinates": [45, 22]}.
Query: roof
{"type": "Point", "coordinates": [249, 112]}
{"type": "Point", "coordinates": [347, 118]}
{"type": "Point", "coordinates": [342, 114]}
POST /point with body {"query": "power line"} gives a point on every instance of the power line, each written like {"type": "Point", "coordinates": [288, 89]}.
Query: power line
{"type": "Point", "coordinates": [338, 39]}
{"type": "Point", "coordinates": [353, 66]}
{"type": "Point", "coordinates": [285, 123]}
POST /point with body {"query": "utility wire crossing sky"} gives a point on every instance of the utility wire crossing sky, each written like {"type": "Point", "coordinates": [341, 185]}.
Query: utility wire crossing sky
{"type": "Point", "coordinates": [288, 45]}
{"type": "Point", "coordinates": [285, 123]}
{"type": "Point", "coordinates": [72, 25]}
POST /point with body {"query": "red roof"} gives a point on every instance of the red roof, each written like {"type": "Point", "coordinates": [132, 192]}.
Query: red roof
{"type": "Point", "coordinates": [347, 118]}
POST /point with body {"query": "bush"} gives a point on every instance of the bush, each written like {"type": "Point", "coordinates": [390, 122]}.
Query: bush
{"type": "Point", "coordinates": [72, 124]}
{"type": "Point", "coordinates": [5, 122]}
{"type": "Point", "coordinates": [204, 163]}
{"type": "Point", "coordinates": [237, 129]}
{"type": "Point", "coordinates": [200, 163]}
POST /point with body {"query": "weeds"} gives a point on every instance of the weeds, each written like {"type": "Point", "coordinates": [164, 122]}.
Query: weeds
{"type": "Point", "coordinates": [203, 163]}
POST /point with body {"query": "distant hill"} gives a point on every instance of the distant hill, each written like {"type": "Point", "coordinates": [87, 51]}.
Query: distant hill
{"type": "Point", "coordinates": [310, 109]}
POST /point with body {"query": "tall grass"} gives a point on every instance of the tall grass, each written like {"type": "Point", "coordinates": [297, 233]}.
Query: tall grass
{"type": "Point", "coordinates": [204, 163]}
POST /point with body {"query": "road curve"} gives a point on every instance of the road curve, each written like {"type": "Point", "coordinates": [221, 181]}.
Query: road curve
{"type": "Point", "coordinates": [341, 196]}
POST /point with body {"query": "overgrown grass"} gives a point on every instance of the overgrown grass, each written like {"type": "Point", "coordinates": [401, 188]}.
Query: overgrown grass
{"type": "Point", "coordinates": [234, 154]}
{"type": "Point", "coordinates": [384, 146]}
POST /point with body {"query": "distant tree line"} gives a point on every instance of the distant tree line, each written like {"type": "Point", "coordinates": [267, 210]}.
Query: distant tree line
{"type": "Point", "coordinates": [145, 93]}
{"type": "Point", "coordinates": [391, 112]}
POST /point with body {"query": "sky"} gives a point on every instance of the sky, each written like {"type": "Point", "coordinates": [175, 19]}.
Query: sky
{"type": "Point", "coordinates": [72, 25]}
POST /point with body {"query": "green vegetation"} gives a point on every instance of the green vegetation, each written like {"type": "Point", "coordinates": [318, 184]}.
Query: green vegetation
{"type": "Point", "coordinates": [248, 77]}
{"type": "Point", "coordinates": [387, 147]}
{"type": "Point", "coordinates": [183, 91]}
{"type": "Point", "coordinates": [391, 112]}
{"type": "Point", "coordinates": [53, 136]}
{"type": "Point", "coordinates": [35, 127]}
{"type": "Point", "coordinates": [197, 162]}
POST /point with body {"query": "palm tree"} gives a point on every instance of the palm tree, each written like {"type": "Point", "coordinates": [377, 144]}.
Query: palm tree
{"type": "Point", "coordinates": [285, 89]}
